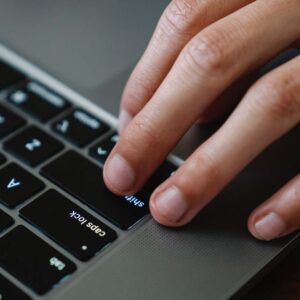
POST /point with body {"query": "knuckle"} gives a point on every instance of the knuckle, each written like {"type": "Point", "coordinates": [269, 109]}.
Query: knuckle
{"type": "Point", "coordinates": [179, 16]}
{"type": "Point", "coordinates": [136, 94]}
{"type": "Point", "coordinates": [204, 168]}
{"type": "Point", "coordinates": [206, 54]}
{"type": "Point", "coordinates": [282, 95]}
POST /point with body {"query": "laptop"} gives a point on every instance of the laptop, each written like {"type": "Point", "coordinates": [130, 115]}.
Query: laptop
{"type": "Point", "coordinates": [63, 235]}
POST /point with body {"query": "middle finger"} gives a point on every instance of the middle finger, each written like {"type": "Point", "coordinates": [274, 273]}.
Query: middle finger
{"type": "Point", "coordinates": [213, 60]}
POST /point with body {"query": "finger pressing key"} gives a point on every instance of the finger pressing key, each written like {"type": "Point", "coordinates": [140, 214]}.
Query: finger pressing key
{"type": "Point", "coordinates": [214, 59]}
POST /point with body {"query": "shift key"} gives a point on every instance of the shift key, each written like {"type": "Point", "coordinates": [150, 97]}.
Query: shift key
{"type": "Point", "coordinates": [84, 180]}
{"type": "Point", "coordinates": [68, 224]}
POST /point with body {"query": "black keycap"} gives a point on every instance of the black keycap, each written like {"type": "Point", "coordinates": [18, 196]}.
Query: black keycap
{"type": "Point", "coordinates": [38, 101]}
{"type": "Point", "coordinates": [101, 150]}
{"type": "Point", "coordinates": [17, 185]}
{"type": "Point", "coordinates": [33, 146]}
{"type": "Point", "coordinates": [9, 121]}
{"type": "Point", "coordinates": [8, 75]}
{"type": "Point", "coordinates": [2, 161]}
{"type": "Point", "coordinates": [160, 175]}
{"type": "Point", "coordinates": [68, 224]}
{"type": "Point", "coordinates": [5, 221]}
{"type": "Point", "coordinates": [84, 180]}
{"type": "Point", "coordinates": [10, 292]}
{"type": "Point", "coordinates": [33, 261]}
{"type": "Point", "coordinates": [80, 127]}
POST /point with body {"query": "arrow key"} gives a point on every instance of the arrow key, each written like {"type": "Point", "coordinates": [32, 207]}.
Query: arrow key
{"type": "Point", "coordinates": [17, 185]}
{"type": "Point", "coordinates": [101, 150]}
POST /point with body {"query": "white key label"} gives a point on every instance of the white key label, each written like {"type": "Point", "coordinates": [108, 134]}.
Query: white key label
{"type": "Point", "coordinates": [19, 97]}
{"type": "Point", "coordinates": [13, 183]}
{"type": "Point", "coordinates": [101, 151]}
{"type": "Point", "coordinates": [59, 265]}
{"type": "Point", "coordinates": [63, 126]}
{"type": "Point", "coordinates": [32, 145]}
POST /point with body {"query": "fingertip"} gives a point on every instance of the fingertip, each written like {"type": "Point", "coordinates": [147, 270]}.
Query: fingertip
{"type": "Point", "coordinates": [160, 219]}
{"type": "Point", "coordinates": [268, 226]}
{"type": "Point", "coordinates": [251, 227]}
{"type": "Point", "coordinates": [169, 207]}
{"type": "Point", "coordinates": [118, 175]}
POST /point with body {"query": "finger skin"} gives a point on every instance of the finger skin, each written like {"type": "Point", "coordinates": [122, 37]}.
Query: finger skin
{"type": "Point", "coordinates": [269, 109]}
{"type": "Point", "coordinates": [279, 215]}
{"type": "Point", "coordinates": [206, 67]}
{"type": "Point", "coordinates": [181, 20]}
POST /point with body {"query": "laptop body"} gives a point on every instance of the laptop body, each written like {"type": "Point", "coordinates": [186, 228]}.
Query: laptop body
{"type": "Point", "coordinates": [212, 258]}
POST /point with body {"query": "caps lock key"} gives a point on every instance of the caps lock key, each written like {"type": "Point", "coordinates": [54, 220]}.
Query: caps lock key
{"type": "Point", "coordinates": [68, 224]}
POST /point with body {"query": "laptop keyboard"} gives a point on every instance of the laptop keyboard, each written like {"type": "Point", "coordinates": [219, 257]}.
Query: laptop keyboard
{"type": "Point", "coordinates": [67, 146]}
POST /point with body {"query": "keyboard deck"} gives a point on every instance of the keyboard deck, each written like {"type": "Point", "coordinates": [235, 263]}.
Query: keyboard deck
{"type": "Point", "coordinates": [51, 178]}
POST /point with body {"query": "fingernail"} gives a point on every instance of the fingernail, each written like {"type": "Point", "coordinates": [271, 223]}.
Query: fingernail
{"type": "Point", "coordinates": [119, 173]}
{"type": "Point", "coordinates": [124, 119]}
{"type": "Point", "coordinates": [270, 226]}
{"type": "Point", "coordinates": [171, 204]}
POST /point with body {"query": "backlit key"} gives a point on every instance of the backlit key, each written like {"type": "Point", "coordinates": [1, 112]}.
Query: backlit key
{"type": "Point", "coordinates": [33, 261]}
{"type": "Point", "coordinates": [101, 150]}
{"type": "Point", "coordinates": [33, 146]}
{"type": "Point", "coordinates": [17, 185]}
{"type": "Point", "coordinates": [80, 127]}
{"type": "Point", "coordinates": [38, 101]}
{"type": "Point", "coordinates": [83, 179]}
{"type": "Point", "coordinates": [68, 224]}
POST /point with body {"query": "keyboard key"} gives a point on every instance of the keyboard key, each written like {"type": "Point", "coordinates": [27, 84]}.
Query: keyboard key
{"type": "Point", "coordinates": [17, 185]}
{"type": "Point", "coordinates": [9, 121]}
{"type": "Point", "coordinates": [33, 261]}
{"type": "Point", "coordinates": [38, 101]}
{"type": "Point", "coordinates": [8, 75]}
{"type": "Point", "coordinates": [160, 175]}
{"type": "Point", "coordinates": [68, 224]}
{"type": "Point", "coordinates": [9, 291]}
{"type": "Point", "coordinates": [33, 146]}
{"type": "Point", "coordinates": [83, 179]}
{"type": "Point", "coordinates": [2, 161]}
{"type": "Point", "coordinates": [80, 127]}
{"type": "Point", "coordinates": [5, 221]}
{"type": "Point", "coordinates": [101, 150]}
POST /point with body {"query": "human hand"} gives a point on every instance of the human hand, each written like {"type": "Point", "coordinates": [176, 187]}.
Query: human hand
{"type": "Point", "coordinates": [201, 49]}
